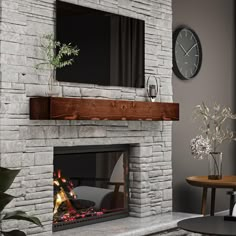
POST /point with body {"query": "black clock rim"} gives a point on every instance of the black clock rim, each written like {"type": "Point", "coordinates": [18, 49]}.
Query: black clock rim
{"type": "Point", "coordinates": [175, 67]}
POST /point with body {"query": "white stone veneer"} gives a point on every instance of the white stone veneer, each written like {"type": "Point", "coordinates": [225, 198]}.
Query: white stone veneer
{"type": "Point", "coordinates": [28, 144]}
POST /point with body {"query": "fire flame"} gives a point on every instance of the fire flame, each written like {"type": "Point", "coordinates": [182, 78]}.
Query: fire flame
{"type": "Point", "coordinates": [66, 191]}
{"type": "Point", "coordinates": [63, 195]}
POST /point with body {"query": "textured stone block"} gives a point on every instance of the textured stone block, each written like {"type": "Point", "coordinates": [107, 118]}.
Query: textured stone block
{"type": "Point", "coordinates": [87, 92]}
{"type": "Point", "coordinates": [11, 160]}
{"type": "Point", "coordinates": [68, 132]}
{"type": "Point", "coordinates": [165, 185]}
{"type": "Point", "coordinates": [40, 132]}
{"type": "Point", "coordinates": [157, 148]}
{"type": "Point", "coordinates": [71, 91]}
{"type": "Point", "coordinates": [167, 155]}
{"type": "Point", "coordinates": [43, 158]}
{"type": "Point", "coordinates": [39, 170]}
{"type": "Point", "coordinates": [167, 172]}
{"type": "Point", "coordinates": [41, 90]}
{"type": "Point", "coordinates": [140, 176]}
{"type": "Point", "coordinates": [12, 146]}
{"type": "Point", "coordinates": [167, 194]}
{"type": "Point", "coordinates": [91, 131]}
{"type": "Point", "coordinates": [9, 135]}
{"type": "Point", "coordinates": [38, 195]}
{"type": "Point", "coordinates": [155, 173]}
{"type": "Point", "coordinates": [141, 151]}
{"type": "Point", "coordinates": [166, 204]}
{"type": "Point", "coordinates": [44, 206]}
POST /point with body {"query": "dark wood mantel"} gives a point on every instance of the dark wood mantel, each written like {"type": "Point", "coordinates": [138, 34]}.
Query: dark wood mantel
{"type": "Point", "coordinates": [56, 108]}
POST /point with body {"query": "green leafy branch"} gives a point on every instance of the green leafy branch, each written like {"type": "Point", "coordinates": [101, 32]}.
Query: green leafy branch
{"type": "Point", "coordinates": [57, 55]}
{"type": "Point", "coordinates": [6, 179]}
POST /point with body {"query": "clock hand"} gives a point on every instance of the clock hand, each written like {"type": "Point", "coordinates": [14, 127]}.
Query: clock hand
{"type": "Point", "coordinates": [182, 48]}
{"type": "Point", "coordinates": [187, 53]}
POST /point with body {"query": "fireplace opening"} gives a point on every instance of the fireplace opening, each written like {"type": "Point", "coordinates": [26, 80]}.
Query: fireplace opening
{"type": "Point", "coordinates": [90, 185]}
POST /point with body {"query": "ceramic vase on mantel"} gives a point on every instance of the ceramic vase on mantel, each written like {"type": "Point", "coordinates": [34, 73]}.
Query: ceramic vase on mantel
{"type": "Point", "coordinates": [215, 165]}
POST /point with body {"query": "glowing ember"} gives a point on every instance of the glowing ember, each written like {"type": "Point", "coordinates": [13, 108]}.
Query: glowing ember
{"type": "Point", "coordinates": [71, 216]}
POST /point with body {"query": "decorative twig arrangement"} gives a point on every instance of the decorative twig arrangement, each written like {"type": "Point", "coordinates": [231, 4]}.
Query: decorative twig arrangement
{"type": "Point", "coordinates": [56, 56]}
{"type": "Point", "coordinates": [213, 130]}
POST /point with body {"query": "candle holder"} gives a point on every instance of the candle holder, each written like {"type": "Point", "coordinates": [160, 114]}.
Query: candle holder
{"type": "Point", "coordinates": [152, 89]}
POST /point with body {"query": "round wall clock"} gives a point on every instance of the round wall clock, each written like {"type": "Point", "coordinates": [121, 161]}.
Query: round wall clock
{"type": "Point", "coordinates": [187, 53]}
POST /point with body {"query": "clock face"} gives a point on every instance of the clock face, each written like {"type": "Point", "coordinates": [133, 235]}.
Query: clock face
{"type": "Point", "coordinates": [187, 53]}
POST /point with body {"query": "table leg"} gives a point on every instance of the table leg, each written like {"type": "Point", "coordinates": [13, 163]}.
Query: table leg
{"type": "Point", "coordinates": [232, 201]}
{"type": "Point", "coordinates": [204, 199]}
{"type": "Point", "coordinates": [213, 194]}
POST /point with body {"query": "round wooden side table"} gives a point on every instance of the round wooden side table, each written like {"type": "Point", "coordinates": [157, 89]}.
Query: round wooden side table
{"type": "Point", "coordinates": [205, 183]}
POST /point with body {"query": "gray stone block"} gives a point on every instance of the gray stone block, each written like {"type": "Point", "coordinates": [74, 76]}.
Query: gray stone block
{"type": "Point", "coordinates": [11, 160]}
{"type": "Point", "coordinates": [39, 170]}
{"type": "Point", "coordinates": [39, 132]}
{"type": "Point", "coordinates": [142, 151]}
{"type": "Point", "coordinates": [87, 92]}
{"type": "Point", "coordinates": [92, 131]}
{"type": "Point", "coordinates": [167, 194]}
{"type": "Point", "coordinates": [71, 91]}
{"type": "Point", "coordinates": [68, 132]}
{"type": "Point", "coordinates": [44, 158]}
{"type": "Point", "coordinates": [12, 146]}
{"type": "Point", "coordinates": [140, 176]}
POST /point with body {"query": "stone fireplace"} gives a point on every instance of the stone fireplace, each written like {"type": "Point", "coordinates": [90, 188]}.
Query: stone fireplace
{"type": "Point", "coordinates": [90, 185]}
{"type": "Point", "coordinates": [30, 144]}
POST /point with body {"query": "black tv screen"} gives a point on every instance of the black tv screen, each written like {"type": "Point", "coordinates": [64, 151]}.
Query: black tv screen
{"type": "Point", "coordinates": [111, 46]}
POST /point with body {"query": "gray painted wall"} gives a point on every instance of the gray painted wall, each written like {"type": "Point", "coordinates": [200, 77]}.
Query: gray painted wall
{"type": "Point", "coordinates": [213, 21]}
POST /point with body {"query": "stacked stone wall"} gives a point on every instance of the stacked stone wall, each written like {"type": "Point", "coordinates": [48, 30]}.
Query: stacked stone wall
{"type": "Point", "coordinates": [28, 144]}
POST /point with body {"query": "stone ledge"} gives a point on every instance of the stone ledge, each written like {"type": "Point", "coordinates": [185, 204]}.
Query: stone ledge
{"type": "Point", "coordinates": [131, 226]}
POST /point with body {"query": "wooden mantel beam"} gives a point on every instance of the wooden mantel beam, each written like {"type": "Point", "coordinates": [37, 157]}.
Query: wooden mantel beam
{"type": "Point", "coordinates": [57, 108]}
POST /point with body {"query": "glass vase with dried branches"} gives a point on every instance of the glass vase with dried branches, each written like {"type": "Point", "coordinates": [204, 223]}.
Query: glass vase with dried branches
{"type": "Point", "coordinates": [214, 133]}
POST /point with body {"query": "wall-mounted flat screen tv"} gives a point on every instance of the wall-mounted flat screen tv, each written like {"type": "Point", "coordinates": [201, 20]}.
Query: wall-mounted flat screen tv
{"type": "Point", "coordinates": [111, 46]}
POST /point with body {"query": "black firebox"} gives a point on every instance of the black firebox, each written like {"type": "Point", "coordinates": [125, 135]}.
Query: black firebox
{"type": "Point", "coordinates": [90, 185]}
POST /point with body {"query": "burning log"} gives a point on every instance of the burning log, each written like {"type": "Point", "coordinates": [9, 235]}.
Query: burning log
{"type": "Point", "coordinates": [63, 192]}
{"type": "Point", "coordinates": [66, 205]}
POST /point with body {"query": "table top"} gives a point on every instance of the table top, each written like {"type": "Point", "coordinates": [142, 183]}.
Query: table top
{"type": "Point", "coordinates": [211, 225]}
{"type": "Point", "coordinates": [203, 181]}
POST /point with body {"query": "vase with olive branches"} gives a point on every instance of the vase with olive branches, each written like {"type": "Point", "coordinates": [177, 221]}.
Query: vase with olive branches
{"type": "Point", "coordinates": [214, 133]}
{"type": "Point", "coordinates": [56, 56]}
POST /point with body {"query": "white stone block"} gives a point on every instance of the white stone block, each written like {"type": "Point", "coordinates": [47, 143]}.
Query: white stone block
{"type": "Point", "coordinates": [11, 160]}
{"type": "Point", "coordinates": [43, 158]}
{"type": "Point", "coordinates": [71, 91]}
{"type": "Point", "coordinates": [167, 194]}
{"type": "Point", "coordinates": [12, 146]}
{"type": "Point", "coordinates": [68, 132]}
{"type": "Point", "coordinates": [142, 151]}
{"type": "Point", "coordinates": [39, 170]}
{"type": "Point", "coordinates": [91, 131]}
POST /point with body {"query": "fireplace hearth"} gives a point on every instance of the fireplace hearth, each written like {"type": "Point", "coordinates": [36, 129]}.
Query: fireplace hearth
{"type": "Point", "coordinates": [90, 185]}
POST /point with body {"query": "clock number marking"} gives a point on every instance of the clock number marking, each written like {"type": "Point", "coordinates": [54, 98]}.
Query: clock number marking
{"type": "Point", "coordinates": [186, 33]}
